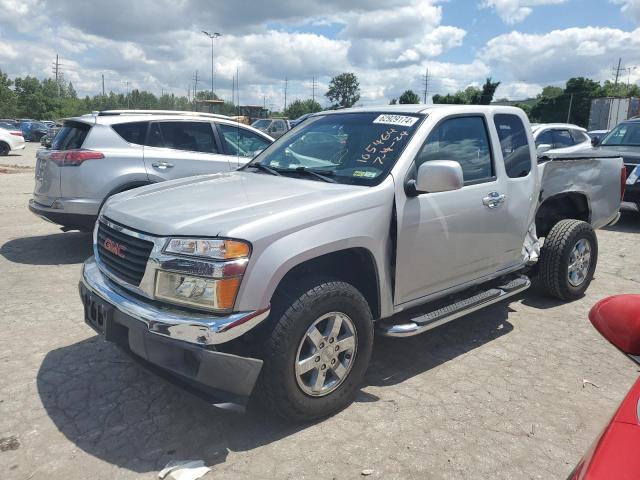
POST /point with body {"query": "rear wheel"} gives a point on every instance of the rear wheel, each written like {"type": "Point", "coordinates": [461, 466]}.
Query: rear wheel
{"type": "Point", "coordinates": [4, 149]}
{"type": "Point", "coordinates": [568, 259]}
{"type": "Point", "coordinates": [318, 350]}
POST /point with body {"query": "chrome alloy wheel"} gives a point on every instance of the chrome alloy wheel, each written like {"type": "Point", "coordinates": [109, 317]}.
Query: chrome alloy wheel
{"type": "Point", "coordinates": [326, 354]}
{"type": "Point", "coordinates": [579, 262]}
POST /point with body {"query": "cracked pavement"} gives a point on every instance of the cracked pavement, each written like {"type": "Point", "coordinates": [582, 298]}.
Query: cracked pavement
{"type": "Point", "coordinates": [497, 394]}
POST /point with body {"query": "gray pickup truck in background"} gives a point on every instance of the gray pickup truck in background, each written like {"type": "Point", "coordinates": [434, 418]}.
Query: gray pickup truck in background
{"type": "Point", "coordinates": [395, 219]}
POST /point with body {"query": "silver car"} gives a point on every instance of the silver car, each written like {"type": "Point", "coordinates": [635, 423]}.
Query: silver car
{"type": "Point", "coordinates": [98, 155]}
{"type": "Point", "coordinates": [559, 137]}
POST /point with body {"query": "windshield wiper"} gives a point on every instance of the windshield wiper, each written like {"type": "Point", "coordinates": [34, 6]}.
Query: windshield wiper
{"type": "Point", "coordinates": [264, 168]}
{"type": "Point", "coordinates": [323, 176]}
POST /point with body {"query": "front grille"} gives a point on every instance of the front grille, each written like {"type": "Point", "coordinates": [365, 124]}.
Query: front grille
{"type": "Point", "coordinates": [123, 255]}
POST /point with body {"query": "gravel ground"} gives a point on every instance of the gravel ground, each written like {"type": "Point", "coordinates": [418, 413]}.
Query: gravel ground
{"type": "Point", "coordinates": [498, 394]}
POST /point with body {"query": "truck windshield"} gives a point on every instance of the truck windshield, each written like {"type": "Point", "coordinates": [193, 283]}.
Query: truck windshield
{"type": "Point", "coordinates": [624, 134]}
{"type": "Point", "coordinates": [352, 148]}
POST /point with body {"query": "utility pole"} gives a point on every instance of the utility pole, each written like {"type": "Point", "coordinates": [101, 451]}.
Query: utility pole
{"type": "Point", "coordinates": [286, 84]}
{"type": "Point", "coordinates": [103, 85]}
{"type": "Point", "coordinates": [233, 90]}
{"type": "Point", "coordinates": [56, 68]}
{"type": "Point", "coordinates": [313, 89]}
{"type": "Point", "coordinates": [426, 85]}
{"type": "Point", "coordinates": [617, 71]}
{"type": "Point", "coordinates": [195, 92]}
{"type": "Point", "coordinates": [128, 98]}
{"type": "Point", "coordinates": [570, 105]}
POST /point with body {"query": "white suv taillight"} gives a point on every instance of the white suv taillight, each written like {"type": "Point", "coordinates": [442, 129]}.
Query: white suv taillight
{"type": "Point", "coordinates": [73, 158]}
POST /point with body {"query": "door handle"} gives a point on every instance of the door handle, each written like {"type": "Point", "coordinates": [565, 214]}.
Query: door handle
{"type": "Point", "coordinates": [162, 165]}
{"type": "Point", "coordinates": [494, 199]}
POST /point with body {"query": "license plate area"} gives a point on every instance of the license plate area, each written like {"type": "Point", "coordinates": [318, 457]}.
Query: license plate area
{"type": "Point", "coordinates": [98, 314]}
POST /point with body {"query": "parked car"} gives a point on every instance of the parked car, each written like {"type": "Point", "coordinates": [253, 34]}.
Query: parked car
{"type": "Point", "coordinates": [96, 156]}
{"type": "Point", "coordinates": [560, 137]}
{"type": "Point", "coordinates": [14, 125]}
{"type": "Point", "coordinates": [11, 140]}
{"type": "Point", "coordinates": [47, 140]}
{"type": "Point", "coordinates": [275, 127]}
{"type": "Point", "coordinates": [33, 131]}
{"type": "Point", "coordinates": [614, 454]}
{"type": "Point", "coordinates": [624, 140]}
{"type": "Point", "coordinates": [275, 275]}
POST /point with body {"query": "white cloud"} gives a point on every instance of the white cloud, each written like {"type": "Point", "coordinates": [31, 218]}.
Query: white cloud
{"type": "Point", "coordinates": [514, 11]}
{"type": "Point", "coordinates": [558, 55]}
{"type": "Point", "coordinates": [630, 8]}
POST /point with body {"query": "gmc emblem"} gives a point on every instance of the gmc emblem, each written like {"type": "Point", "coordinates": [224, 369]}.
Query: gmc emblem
{"type": "Point", "coordinates": [114, 247]}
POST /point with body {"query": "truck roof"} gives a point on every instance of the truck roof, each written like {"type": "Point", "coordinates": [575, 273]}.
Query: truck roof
{"type": "Point", "coordinates": [413, 108]}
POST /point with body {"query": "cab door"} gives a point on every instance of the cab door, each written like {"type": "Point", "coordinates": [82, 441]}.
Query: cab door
{"type": "Point", "coordinates": [177, 149]}
{"type": "Point", "coordinates": [448, 239]}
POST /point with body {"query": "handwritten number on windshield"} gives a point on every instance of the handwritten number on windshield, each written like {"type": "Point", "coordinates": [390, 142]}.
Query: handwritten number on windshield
{"type": "Point", "coordinates": [381, 146]}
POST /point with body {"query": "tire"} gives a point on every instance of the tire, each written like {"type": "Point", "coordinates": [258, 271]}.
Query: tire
{"type": "Point", "coordinates": [556, 257]}
{"type": "Point", "coordinates": [4, 149]}
{"type": "Point", "coordinates": [280, 387]}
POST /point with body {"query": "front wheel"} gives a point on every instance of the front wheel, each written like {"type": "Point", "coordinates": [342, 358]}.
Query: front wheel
{"type": "Point", "coordinates": [317, 353]}
{"type": "Point", "coordinates": [568, 259]}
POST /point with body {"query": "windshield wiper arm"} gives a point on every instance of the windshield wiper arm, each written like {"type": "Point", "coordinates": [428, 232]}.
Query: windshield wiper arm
{"type": "Point", "coordinates": [264, 168]}
{"type": "Point", "coordinates": [322, 176]}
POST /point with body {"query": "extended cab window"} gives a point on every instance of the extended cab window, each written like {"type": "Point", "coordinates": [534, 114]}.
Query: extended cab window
{"type": "Point", "coordinates": [465, 140]}
{"type": "Point", "coordinates": [191, 136]}
{"type": "Point", "coordinates": [133, 132]}
{"type": "Point", "coordinates": [514, 145]}
{"type": "Point", "coordinates": [240, 141]}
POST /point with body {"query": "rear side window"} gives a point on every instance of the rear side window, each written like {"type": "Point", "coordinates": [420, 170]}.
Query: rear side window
{"type": "Point", "coordinates": [514, 145]}
{"type": "Point", "coordinates": [562, 138]}
{"type": "Point", "coordinates": [545, 138]}
{"type": "Point", "coordinates": [579, 136]}
{"type": "Point", "coordinates": [71, 136]}
{"type": "Point", "coordinates": [239, 141]}
{"type": "Point", "coordinates": [134, 132]}
{"type": "Point", "coordinates": [465, 140]}
{"type": "Point", "coordinates": [190, 136]}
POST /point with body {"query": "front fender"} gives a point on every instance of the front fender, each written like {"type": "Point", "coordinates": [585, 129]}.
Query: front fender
{"type": "Point", "coordinates": [367, 229]}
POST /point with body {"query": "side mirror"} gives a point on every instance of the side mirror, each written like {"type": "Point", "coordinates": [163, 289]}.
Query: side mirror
{"type": "Point", "coordinates": [617, 319]}
{"type": "Point", "coordinates": [595, 141]}
{"type": "Point", "coordinates": [436, 176]}
{"type": "Point", "coordinates": [542, 148]}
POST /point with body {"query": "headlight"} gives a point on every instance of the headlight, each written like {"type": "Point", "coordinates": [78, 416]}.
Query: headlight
{"type": "Point", "coordinates": [205, 284]}
{"type": "Point", "coordinates": [198, 292]}
{"type": "Point", "coordinates": [219, 249]}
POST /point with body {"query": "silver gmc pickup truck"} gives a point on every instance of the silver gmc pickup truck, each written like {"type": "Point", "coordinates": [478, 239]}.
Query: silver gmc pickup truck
{"type": "Point", "coordinates": [395, 219]}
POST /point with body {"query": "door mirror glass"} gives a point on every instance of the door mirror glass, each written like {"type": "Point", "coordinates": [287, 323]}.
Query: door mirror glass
{"type": "Point", "coordinates": [542, 148]}
{"type": "Point", "coordinates": [438, 176]}
{"type": "Point", "coordinates": [617, 319]}
{"type": "Point", "coordinates": [595, 141]}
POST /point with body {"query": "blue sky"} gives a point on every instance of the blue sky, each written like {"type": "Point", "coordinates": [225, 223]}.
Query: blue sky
{"type": "Point", "coordinates": [157, 44]}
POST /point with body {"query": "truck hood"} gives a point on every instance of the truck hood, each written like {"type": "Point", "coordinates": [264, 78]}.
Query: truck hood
{"type": "Point", "coordinates": [236, 204]}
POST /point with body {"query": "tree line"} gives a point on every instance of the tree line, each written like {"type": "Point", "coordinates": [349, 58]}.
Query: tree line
{"type": "Point", "coordinates": [30, 97]}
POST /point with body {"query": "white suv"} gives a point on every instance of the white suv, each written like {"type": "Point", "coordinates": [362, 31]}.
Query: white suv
{"type": "Point", "coordinates": [98, 155]}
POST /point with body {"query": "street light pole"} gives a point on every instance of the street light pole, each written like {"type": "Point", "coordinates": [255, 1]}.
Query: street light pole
{"type": "Point", "coordinates": [212, 36]}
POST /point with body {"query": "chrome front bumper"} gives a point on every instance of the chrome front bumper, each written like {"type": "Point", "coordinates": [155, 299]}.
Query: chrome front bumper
{"type": "Point", "coordinates": [195, 328]}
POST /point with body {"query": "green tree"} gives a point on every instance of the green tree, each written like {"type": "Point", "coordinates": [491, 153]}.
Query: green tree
{"type": "Point", "coordinates": [302, 107]}
{"type": "Point", "coordinates": [344, 90]}
{"type": "Point", "coordinates": [394, 101]}
{"type": "Point", "coordinates": [488, 90]}
{"type": "Point", "coordinates": [409, 96]}
{"type": "Point", "coordinates": [8, 100]}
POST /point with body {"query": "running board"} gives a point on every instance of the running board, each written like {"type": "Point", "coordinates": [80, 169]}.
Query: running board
{"type": "Point", "coordinates": [464, 306]}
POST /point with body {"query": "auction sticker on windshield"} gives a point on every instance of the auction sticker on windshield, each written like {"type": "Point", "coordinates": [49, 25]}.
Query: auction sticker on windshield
{"type": "Point", "coordinates": [402, 120]}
